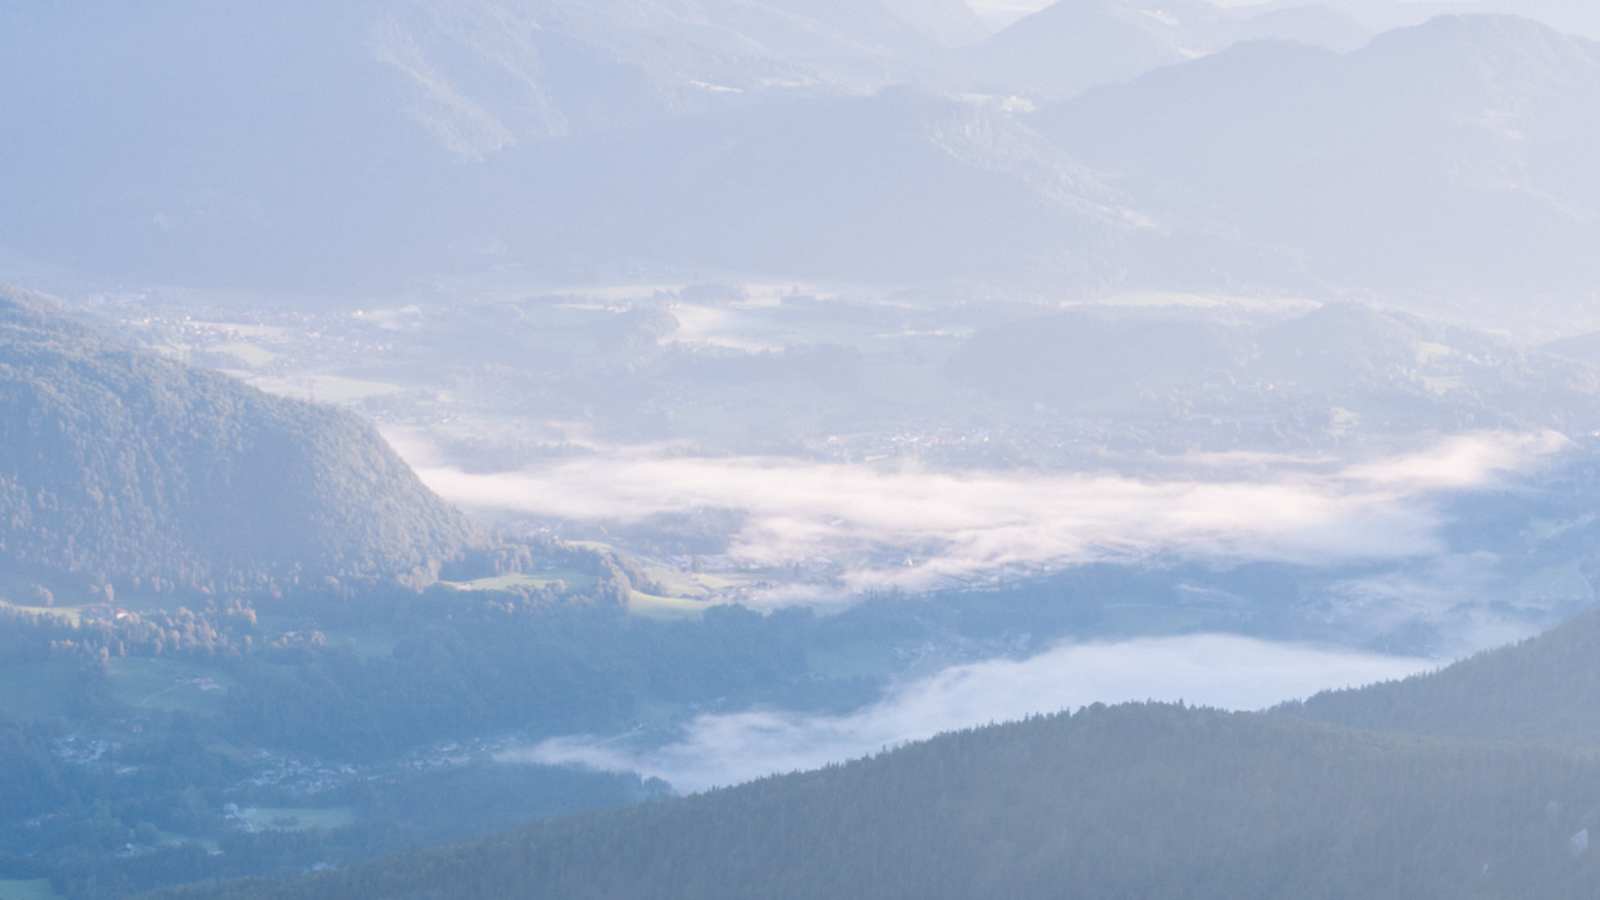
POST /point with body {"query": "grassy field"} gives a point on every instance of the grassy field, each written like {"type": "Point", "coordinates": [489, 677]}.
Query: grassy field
{"type": "Point", "coordinates": [168, 685]}
{"type": "Point", "coordinates": [673, 594]}
{"type": "Point", "coordinates": [695, 585]}
{"type": "Point", "coordinates": [570, 578]}
{"type": "Point", "coordinates": [655, 606]}
{"type": "Point", "coordinates": [38, 889]}
{"type": "Point", "coordinates": [289, 818]}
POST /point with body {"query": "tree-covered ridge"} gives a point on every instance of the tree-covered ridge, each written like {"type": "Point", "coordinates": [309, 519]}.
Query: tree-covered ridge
{"type": "Point", "coordinates": [126, 469]}
{"type": "Point", "coordinates": [1142, 801]}
{"type": "Point", "coordinates": [1545, 689]}
{"type": "Point", "coordinates": [1478, 781]}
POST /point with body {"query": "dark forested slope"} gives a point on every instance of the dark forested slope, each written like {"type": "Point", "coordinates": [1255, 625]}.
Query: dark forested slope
{"type": "Point", "coordinates": [1546, 689]}
{"type": "Point", "coordinates": [1481, 780]}
{"type": "Point", "coordinates": [1133, 801]}
{"type": "Point", "coordinates": [119, 467]}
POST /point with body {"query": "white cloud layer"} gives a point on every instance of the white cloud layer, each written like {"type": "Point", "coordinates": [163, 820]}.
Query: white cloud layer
{"type": "Point", "coordinates": [1210, 670]}
{"type": "Point", "coordinates": [912, 528]}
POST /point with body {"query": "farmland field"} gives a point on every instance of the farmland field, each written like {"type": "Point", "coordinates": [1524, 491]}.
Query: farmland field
{"type": "Point", "coordinates": [514, 581]}
{"type": "Point", "coordinates": [657, 606]}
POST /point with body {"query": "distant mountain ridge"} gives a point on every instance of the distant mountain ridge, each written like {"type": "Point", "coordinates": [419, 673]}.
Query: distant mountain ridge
{"type": "Point", "coordinates": [899, 185]}
{"type": "Point", "coordinates": [1446, 163]}
{"type": "Point", "coordinates": [1441, 167]}
{"type": "Point", "coordinates": [1073, 45]}
{"type": "Point", "coordinates": [329, 136]}
{"type": "Point", "coordinates": [126, 469]}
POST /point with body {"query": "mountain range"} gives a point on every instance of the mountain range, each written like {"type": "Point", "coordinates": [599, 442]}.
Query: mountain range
{"type": "Point", "coordinates": [296, 142]}
{"type": "Point", "coordinates": [1084, 149]}
{"type": "Point", "coordinates": [1443, 163]}
{"type": "Point", "coordinates": [1069, 47]}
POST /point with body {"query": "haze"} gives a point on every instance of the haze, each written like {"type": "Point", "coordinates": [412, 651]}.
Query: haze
{"type": "Point", "coordinates": [429, 418]}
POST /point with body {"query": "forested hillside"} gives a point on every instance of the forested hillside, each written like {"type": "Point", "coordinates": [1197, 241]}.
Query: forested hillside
{"type": "Point", "coordinates": [121, 469]}
{"type": "Point", "coordinates": [1546, 689]}
{"type": "Point", "coordinates": [1133, 801]}
{"type": "Point", "coordinates": [1477, 781]}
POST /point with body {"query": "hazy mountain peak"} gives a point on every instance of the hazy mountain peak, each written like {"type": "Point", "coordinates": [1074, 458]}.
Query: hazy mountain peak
{"type": "Point", "coordinates": [1483, 32]}
{"type": "Point", "coordinates": [950, 23]}
{"type": "Point", "coordinates": [1069, 47]}
{"type": "Point", "coordinates": [1315, 24]}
